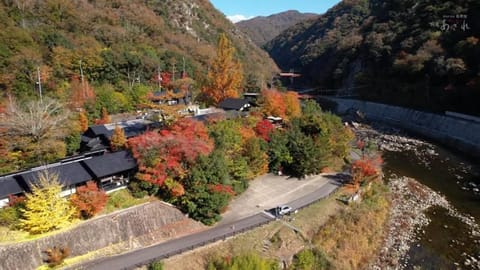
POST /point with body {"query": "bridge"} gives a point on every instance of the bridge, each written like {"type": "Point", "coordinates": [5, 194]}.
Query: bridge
{"type": "Point", "coordinates": [337, 92]}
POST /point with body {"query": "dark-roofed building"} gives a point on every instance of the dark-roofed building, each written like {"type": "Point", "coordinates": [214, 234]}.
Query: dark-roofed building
{"type": "Point", "coordinates": [110, 171]}
{"type": "Point", "coordinates": [234, 104]}
{"type": "Point", "coordinates": [252, 98]}
{"type": "Point", "coordinates": [171, 97]}
{"type": "Point", "coordinates": [8, 186]}
{"type": "Point", "coordinates": [98, 137]}
{"type": "Point", "coordinates": [70, 175]}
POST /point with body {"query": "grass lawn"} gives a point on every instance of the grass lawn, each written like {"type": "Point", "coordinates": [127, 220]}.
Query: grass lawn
{"type": "Point", "coordinates": [122, 199]}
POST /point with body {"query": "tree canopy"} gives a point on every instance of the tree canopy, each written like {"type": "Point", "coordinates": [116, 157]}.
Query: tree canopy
{"type": "Point", "coordinates": [45, 209]}
{"type": "Point", "coordinates": [225, 76]}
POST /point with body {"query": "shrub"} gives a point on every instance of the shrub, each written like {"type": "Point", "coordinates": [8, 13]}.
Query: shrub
{"type": "Point", "coordinates": [156, 265]}
{"type": "Point", "coordinates": [89, 200]}
{"type": "Point", "coordinates": [56, 255]}
{"type": "Point", "coordinates": [246, 261]}
{"type": "Point", "coordinates": [310, 259]}
{"type": "Point", "coordinates": [365, 169]}
{"type": "Point", "coordinates": [9, 216]}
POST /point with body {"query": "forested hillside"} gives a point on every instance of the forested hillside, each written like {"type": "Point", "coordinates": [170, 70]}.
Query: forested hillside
{"type": "Point", "coordinates": [65, 65]}
{"type": "Point", "coordinates": [118, 45]}
{"type": "Point", "coordinates": [418, 54]}
{"type": "Point", "coordinates": [262, 29]}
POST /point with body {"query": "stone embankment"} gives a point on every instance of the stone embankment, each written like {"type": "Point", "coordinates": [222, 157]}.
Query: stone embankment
{"type": "Point", "coordinates": [129, 229]}
{"type": "Point", "coordinates": [459, 133]}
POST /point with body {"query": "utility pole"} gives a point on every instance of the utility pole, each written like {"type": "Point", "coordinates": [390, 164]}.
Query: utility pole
{"type": "Point", "coordinates": [82, 81]}
{"type": "Point", "coordinates": [39, 82]}
{"type": "Point", "coordinates": [183, 71]}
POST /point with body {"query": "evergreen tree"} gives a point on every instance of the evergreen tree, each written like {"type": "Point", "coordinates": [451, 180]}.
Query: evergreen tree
{"type": "Point", "coordinates": [45, 210]}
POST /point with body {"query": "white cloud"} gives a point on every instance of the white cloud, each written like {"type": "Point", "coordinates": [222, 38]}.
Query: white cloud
{"type": "Point", "coordinates": [238, 17]}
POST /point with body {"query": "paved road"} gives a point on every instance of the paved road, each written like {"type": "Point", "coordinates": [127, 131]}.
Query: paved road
{"type": "Point", "coordinates": [268, 191]}
{"type": "Point", "coordinates": [176, 246]}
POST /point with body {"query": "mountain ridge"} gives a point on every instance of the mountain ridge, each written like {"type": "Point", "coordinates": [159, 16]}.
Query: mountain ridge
{"type": "Point", "coordinates": [397, 52]}
{"type": "Point", "coordinates": [262, 29]}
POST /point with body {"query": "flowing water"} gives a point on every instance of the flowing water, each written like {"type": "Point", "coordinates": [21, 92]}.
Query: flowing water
{"type": "Point", "coordinates": [447, 242]}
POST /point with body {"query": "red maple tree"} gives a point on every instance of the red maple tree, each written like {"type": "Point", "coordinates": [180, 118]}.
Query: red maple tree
{"type": "Point", "coordinates": [263, 129]}
{"type": "Point", "coordinates": [170, 152]}
{"type": "Point", "coordinates": [89, 200]}
{"type": "Point", "coordinates": [365, 168]}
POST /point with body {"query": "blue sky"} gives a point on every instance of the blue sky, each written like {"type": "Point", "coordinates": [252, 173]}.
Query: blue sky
{"type": "Point", "coordinates": [245, 9]}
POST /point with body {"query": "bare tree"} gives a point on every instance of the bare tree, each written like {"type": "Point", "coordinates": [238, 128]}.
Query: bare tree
{"type": "Point", "coordinates": [35, 119]}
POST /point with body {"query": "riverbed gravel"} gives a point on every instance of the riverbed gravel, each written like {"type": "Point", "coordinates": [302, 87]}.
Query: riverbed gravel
{"type": "Point", "coordinates": [411, 200]}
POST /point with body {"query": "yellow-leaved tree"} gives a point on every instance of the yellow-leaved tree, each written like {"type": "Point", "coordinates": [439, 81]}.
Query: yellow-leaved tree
{"type": "Point", "coordinates": [118, 140]}
{"type": "Point", "coordinates": [45, 210]}
{"type": "Point", "coordinates": [225, 76]}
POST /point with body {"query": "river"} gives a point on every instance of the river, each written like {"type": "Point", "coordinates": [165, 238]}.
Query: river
{"type": "Point", "coordinates": [447, 242]}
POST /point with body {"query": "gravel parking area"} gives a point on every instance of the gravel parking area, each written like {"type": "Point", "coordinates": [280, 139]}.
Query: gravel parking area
{"type": "Point", "coordinates": [268, 191]}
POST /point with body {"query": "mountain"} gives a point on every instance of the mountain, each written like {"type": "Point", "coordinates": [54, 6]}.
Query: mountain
{"type": "Point", "coordinates": [117, 44]}
{"type": "Point", "coordinates": [263, 29]}
{"type": "Point", "coordinates": [418, 54]}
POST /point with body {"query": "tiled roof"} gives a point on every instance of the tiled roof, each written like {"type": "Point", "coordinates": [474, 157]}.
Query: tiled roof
{"type": "Point", "coordinates": [233, 103]}
{"type": "Point", "coordinates": [111, 164]}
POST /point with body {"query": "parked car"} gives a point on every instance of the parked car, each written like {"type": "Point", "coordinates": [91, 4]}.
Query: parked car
{"type": "Point", "coordinates": [283, 210]}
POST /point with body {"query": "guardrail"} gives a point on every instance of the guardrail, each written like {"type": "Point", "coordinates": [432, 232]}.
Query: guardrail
{"type": "Point", "coordinates": [220, 237]}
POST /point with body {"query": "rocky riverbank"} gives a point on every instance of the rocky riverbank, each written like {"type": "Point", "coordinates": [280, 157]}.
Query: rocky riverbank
{"type": "Point", "coordinates": [412, 200]}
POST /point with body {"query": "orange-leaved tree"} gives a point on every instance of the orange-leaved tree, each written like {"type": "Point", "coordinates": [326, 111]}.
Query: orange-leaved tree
{"type": "Point", "coordinates": [280, 104]}
{"type": "Point", "coordinates": [118, 140]}
{"type": "Point", "coordinates": [83, 119]}
{"type": "Point", "coordinates": [165, 157]}
{"type": "Point", "coordinates": [292, 104]}
{"type": "Point", "coordinates": [225, 76]}
{"type": "Point", "coordinates": [105, 117]}
{"type": "Point", "coordinates": [89, 200]}
{"type": "Point", "coordinates": [81, 92]}
{"type": "Point", "coordinates": [365, 169]}
{"type": "Point", "coordinates": [273, 103]}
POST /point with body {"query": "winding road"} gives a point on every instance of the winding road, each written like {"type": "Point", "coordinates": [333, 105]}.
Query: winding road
{"type": "Point", "coordinates": [137, 258]}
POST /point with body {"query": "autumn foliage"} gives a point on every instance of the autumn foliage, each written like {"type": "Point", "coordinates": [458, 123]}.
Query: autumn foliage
{"type": "Point", "coordinates": [83, 121]}
{"type": "Point", "coordinates": [170, 152]}
{"type": "Point", "coordinates": [225, 75]}
{"type": "Point", "coordinates": [118, 140]}
{"type": "Point", "coordinates": [56, 255]}
{"type": "Point", "coordinates": [81, 92]}
{"type": "Point", "coordinates": [365, 169]}
{"type": "Point", "coordinates": [45, 210]}
{"type": "Point", "coordinates": [281, 104]}
{"type": "Point", "coordinates": [89, 200]}
{"type": "Point", "coordinates": [105, 118]}
{"type": "Point", "coordinates": [263, 129]}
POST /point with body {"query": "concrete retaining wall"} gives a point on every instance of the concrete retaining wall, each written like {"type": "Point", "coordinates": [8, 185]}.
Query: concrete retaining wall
{"type": "Point", "coordinates": [137, 226]}
{"type": "Point", "coordinates": [460, 134]}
